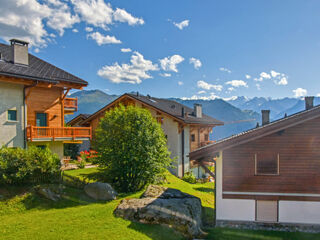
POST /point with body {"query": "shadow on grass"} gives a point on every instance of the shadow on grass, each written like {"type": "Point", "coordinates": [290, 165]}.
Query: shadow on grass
{"type": "Point", "coordinates": [208, 216]}
{"type": "Point", "coordinates": [155, 231]}
{"type": "Point", "coordinates": [205, 189]}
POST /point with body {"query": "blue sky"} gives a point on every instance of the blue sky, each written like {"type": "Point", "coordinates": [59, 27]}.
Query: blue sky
{"type": "Point", "coordinates": [194, 49]}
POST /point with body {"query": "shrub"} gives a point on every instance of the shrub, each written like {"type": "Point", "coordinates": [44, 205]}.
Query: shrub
{"type": "Point", "coordinates": [132, 147]}
{"type": "Point", "coordinates": [189, 177]}
{"type": "Point", "coordinates": [31, 166]}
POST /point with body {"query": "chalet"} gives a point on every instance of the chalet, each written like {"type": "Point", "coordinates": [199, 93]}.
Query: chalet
{"type": "Point", "coordinates": [270, 173]}
{"type": "Point", "coordinates": [186, 129]}
{"type": "Point", "coordinates": [33, 101]}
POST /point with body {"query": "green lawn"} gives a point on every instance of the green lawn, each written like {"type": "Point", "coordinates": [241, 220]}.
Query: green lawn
{"type": "Point", "coordinates": [25, 215]}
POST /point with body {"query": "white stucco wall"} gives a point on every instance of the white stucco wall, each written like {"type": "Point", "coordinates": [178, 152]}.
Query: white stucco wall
{"type": "Point", "coordinates": [55, 146]}
{"type": "Point", "coordinates": [231, 209]}
{"type": "Point", "coordinates": [299, 212]}
{"type": "Point", "coordinates": [11, 98]}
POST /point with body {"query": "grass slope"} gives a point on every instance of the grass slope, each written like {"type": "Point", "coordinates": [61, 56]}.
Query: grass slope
{"type": "Point", "coordinates": [25, 215]}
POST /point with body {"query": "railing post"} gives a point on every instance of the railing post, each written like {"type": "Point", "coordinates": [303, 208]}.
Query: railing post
{"type": "Point", "coordinates": [90, 133]}
{"type": "Point", "coordinates": [31, 133]}
{"type": "Point", "coordinates": [73, 134]}
{"type": "Point", "coordinates": [53, 134]}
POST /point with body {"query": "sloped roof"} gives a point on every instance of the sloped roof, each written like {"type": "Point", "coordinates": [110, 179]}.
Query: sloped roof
{"type": "Point", "coordinates": [256, 133]}
{"type": "Point", "coordinates": [80, 118]}
{"type": "Point", "coordinates": [37, 69]}
{"type": "Point", "coordinates": [169, 107]}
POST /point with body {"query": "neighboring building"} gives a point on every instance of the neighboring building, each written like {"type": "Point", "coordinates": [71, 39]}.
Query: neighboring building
{"type": "Point", "coordinates": [270, 173]}
{"type": "Point", "coordinates": [186, 129]}
{"type": "Point", "coordinates": [33, 101]}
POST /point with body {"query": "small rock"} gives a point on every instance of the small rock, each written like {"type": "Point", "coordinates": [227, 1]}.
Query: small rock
{"type": "Point", "coordinates": [100, 191]}
{"type": "Point", "coordinates": [47, 193]}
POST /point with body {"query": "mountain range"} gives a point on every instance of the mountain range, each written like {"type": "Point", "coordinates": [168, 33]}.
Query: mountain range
{"type": "Point", "coordinates": [239, 114]}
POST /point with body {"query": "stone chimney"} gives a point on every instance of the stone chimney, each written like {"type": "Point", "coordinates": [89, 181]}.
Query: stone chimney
{"type": "Point", "coordinates": [265, 117]}
{"type": "Point", "coordinates": [19, 52]}
{"type": "Point", "coordinates": [197, 110]}
{"type": "Point", "coordinates": [309, 102]}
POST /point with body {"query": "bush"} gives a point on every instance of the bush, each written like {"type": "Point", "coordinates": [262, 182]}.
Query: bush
{"type": "Point", "coordinates": [30, 166]}
{"type": "Point", "coordinates": [189, 177]}
{"type": "Point", "coordinates": [132, 147]}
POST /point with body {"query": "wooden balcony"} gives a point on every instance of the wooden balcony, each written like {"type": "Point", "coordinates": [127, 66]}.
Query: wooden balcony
{"type": "Point", "coordinates": [58, 133]}
{"type": "Point", "coordinates": [70, 105]}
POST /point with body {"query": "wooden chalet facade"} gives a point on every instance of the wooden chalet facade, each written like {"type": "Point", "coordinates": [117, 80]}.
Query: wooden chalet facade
{"type": "Point", "coordinates": [186, 129]}
{"type": "Point", "coordinates": [271, 173]}
{"type": "Point", "coordinates": [33, 101]}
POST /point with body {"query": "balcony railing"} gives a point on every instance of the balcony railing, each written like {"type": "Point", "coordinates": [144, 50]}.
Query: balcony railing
{"type": "Point", "coordinates": [58, 133]}
{"type": "Point", "coordinates": [71, 104]}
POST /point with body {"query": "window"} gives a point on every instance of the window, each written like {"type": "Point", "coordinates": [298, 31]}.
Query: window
{"type": "Point", "coordinates": [193, 138]}
{"type": "Point", "coordinates": [42, 146]}
{"type": "Point", "coordinates": [12, 115]}
{"type": "Point", "coordinates": [41, 120]}
{"type": "Point", "coordinates": [206, 137]}
{"type": "Point", "coordinates": [266, 211]}
{"type": "Point", "coordinates": [267, 164]}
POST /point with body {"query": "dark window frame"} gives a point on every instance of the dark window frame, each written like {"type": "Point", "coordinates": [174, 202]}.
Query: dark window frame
{"type": "Point", "coordinates": [256, 170]}
{"type": "Point", "coordinates": [193, 137]}
{"type": "Point", "coordinates": [16, 115]}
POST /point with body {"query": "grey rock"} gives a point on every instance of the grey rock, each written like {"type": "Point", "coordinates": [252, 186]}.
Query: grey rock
{"type": "Point", "coordinates": [49, 194]}
{"type": "Point", "coordinates": [170, 207]}
{"type": "Point", "coordinates": [100, 191]}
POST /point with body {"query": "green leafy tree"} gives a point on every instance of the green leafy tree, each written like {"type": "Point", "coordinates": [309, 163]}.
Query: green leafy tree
{"type": "Point", "coordinates": [132, 147]}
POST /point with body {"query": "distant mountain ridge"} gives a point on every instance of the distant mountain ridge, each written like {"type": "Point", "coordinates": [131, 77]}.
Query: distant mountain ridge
{"type": "Point", "coordinates": [239, 114]}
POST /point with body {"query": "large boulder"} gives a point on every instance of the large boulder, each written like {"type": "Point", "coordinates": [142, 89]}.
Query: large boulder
{"type": "Point", "coordinates": [100, 191]}
{"type": "Point", "coordinates": [165, 206]}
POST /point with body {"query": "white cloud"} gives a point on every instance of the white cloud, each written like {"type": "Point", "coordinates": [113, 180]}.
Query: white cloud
{"type": "Point", "coordinates": [182, 25]}
{"type": "Point", "coordinates": [75, 30]}
{"type": "Point", "coordinates": [122, 15]}
{"type": "Point", "coordinates": [230, 89]}
{"type": "Point", "coordinates": [222, 69]}
{"type": "Point", "coordinates": [230, 98]}
{"type": "Point", "coordinates": [265, 75]}
{"type": "Point", "coordinates": [248, 76]}
{"type": "Point", "coordinates": [196, 62]}
{"type": "Point", "coordinates": [100, 14]}
{"type": "Point", "coordinates": [212, 96]}
{"type": "Point", "coordinates": [282, 81]}
{"type": "Point", "coordinates": [61, 17]}
{"type": "Point", "coordinates": [300, 92]}
{"type": "Point", "coordinates": [207, 86]}
{"type": "Point", "coordinates": [237, 83]}
{"type": "Point", "coordinates": [258, 86]}
{"type": "Point", "coordinates": [125, 50]}
{"type": "Point", "coordinates": [180, 83]}
{"type": "Point", "coordinates": [132, 73]}
{"type": "Point", "coordinates": [274, 73]}
{"type": "Point", "coordinates": [89, 29]}
{"type": "Point", "coordinates": [170, 63]}
{"type": "Point", "coordinates": [165, 74]}
{"type": "Point", "coordinates": [101, 39]}
{"type": "Point", "coordinates": [36, 50]}
{"type": "Point", "coordinates": [201, 92]}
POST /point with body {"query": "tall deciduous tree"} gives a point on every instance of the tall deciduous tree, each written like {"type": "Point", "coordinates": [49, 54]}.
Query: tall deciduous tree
{"type": "Point", "coordinates": [132, 147]}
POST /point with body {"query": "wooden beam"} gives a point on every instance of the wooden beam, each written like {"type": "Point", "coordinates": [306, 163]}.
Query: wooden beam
{"type": "Point", "coordinates": [65, 94]}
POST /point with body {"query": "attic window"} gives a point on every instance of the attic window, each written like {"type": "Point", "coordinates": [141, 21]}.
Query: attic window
{"type": "Point", "coordinates": [193, 138]}
{"type": "Point", "coordinates": [267, 164]}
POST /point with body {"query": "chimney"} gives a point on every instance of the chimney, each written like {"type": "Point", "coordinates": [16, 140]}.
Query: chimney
{"type": "Point", "coordinates": [182, 112]}
{"type": "Point", "coordinates": [198, 110]}
{"type": "Point", "coordinates": [19, 52]}
{"type": "Point", "coordinates": [309, 102]}
{"type": "Point", "coordinates": [265, 116]}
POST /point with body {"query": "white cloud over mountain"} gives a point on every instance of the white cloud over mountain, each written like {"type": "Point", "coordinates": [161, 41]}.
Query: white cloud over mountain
{"type": "Point", "coordinates": [134, 72]}
{"type": "Point", "coordinates": [125, 50]}
{"type": "Point", "coordinates": [207, 86]}
{"type": "Point", "coordinates": [300, 92]}
{"type": "Point", "coordinates": [223, 69]}
{"type": "Point", "coordinates": [237, 83]}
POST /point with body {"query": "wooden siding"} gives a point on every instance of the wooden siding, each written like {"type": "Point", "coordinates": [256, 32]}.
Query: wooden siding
{"type": "Point", "coordinates": [47, 100]}
{"type": "Point", "coordinates": [299, 166]}
{"type": "Point", "coordinates": [199, 133]}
